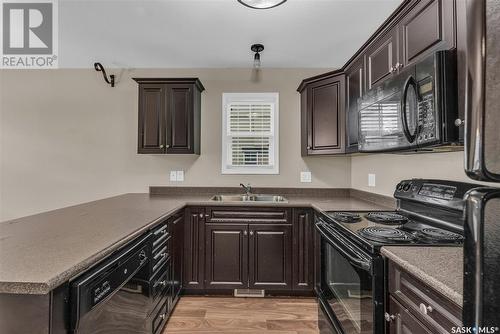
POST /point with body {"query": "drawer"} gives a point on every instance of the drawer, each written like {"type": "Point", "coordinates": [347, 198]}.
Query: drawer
{"type": "Point", "coordinates": [159, 317]}
{"type": "Point", "coordinates": [247, 215]}
{"type": "Point", "coordinates": [431, 308]}
{"type": "Point", "coordinates": [160, 281]}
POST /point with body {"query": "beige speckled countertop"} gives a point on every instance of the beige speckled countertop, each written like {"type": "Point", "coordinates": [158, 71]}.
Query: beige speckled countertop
{"type": "Point", "coordinates": [40, 252]}
{"type": "Point", "coordinates": [439, 267]}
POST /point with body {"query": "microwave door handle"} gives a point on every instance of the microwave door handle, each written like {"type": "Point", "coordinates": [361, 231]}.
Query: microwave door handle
{"type": "Point", "coordinates": [355, 261]}
{"type": "Point", "coordinates": [413, 83]}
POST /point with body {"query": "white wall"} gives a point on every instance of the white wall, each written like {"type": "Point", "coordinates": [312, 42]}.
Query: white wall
{"type": "Point", "coordinates": [392, 168]}
{"type": "Point", "coordinates": [67, 137]}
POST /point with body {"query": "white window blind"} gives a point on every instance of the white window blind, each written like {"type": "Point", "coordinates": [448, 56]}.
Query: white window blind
{"type": "Point", "coordinates": [250, 133]}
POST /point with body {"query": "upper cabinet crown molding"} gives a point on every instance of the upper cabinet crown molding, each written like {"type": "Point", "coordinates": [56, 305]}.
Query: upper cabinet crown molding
{"type": "Point", "coordinates": [194, 81]}
{"type": "Point", "coordinates": [169, 115]}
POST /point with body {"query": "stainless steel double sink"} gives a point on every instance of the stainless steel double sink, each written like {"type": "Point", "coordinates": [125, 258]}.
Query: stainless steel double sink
{"type": "Point", "coordinates": [249, 198]}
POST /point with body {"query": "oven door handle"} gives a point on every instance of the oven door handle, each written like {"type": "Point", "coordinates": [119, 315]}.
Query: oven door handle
{"type": "Point", "coordinates": [353, 259]}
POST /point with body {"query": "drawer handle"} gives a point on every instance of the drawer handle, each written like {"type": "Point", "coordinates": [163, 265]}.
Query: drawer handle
{"type": "Point", "coordinates": [425, 309]}
{"type": "Point", "coordinates": [162, 316]}
{"type": "Point", "coordinates": [164, 254]}
{"type": "Point", "coordinates": [389, 317]}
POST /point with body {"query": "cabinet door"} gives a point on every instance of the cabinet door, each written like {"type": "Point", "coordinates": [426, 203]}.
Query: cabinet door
{"type": "Point", "coordinates": [325, 116]}
{"type": "Point", "coordinates": [270, 262]}
{"type": "Point", "coordinates": [381, 57]}
{"type": "Point", "coordinates": [179, 118]}
{"type": "Point", "coordinates": [226, 256]}
{"type": "Point", "coordinates": [355, 81]}
{"type": "Point", "coordinates": [303, 250]}
{"type": "Point", "coordinates": [402, 321]}
{"type": "Point", "coordinates": [177, 227]}
{"type": "Point", "coordinates": [151, 118]}
{"type": "Point", "coordinates": [194, 228]}
{"type": "Point", "coordinates": [427, 27]}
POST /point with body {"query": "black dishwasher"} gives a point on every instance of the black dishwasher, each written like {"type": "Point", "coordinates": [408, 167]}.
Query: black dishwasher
{"type": "Point", "coordinates": [114, 297]}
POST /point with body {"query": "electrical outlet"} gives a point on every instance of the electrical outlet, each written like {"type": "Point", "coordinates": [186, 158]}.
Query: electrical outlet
{"type": "Point", "coordinates": [371, 180]}
{"type": "Point", "coordinates": [180, 176]}
{"type": "Point", "coordinates": [305, 177]}
{"type": "Point", "coordinates": [173, 175]}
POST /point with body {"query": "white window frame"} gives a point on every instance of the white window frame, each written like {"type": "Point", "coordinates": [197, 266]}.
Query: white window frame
{"type": "Point", "coordinates": [229, 98]}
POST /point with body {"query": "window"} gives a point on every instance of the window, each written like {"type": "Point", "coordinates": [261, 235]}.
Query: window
{"type": "Point", "coordinates": [250, 133]}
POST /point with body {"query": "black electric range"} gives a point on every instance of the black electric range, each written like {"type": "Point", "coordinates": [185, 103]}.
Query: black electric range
{"type": "Point", "coordinates": [378, 228]}
{"type": "Point", "coordinates": [351, 288]}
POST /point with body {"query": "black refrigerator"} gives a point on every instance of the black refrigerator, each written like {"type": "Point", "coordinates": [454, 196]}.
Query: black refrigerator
{"type": "Point", "coordinates": [481, 308]}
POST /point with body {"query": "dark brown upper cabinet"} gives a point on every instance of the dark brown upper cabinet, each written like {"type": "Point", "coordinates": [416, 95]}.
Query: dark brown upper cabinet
{"type": "Point", "coordinates": [322, 114]}
{"type": "Point", "coordinates": [169, 115]}
{"type": "Point", "coordinates": [427, 27]}
{"type": "Point", "coordinates": [355, 86]}
{"type": "Point", "coordinates": [382, 57]}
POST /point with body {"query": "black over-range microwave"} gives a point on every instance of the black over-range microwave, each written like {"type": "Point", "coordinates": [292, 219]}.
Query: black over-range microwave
{"type": "Point", "coordinates": [413, 110]}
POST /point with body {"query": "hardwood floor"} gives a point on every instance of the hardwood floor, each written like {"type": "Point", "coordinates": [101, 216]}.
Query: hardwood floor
{"type": "Point", "coordinates": [210, 315]}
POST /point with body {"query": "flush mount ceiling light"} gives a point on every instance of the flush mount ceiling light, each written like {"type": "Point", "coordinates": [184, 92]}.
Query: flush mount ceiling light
{"type": "Point", "coordinates": [261, 4]}
{"type": "Point", "coordinates": [257, 48]}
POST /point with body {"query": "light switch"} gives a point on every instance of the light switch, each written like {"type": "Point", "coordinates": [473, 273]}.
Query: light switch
{"type": "Point", "coordinates": [371, 180]}
{"type": "Point", "coordinates": [305, 177]}
{"type": "Point", "coordinates": [173, 175]}
{"type": "Point", "coordinates": [180, 176]}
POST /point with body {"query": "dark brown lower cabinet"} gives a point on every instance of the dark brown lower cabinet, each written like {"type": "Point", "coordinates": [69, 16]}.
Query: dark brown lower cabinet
{"type": "Point", "coordinates": [270, 262]}
{"type": "Point", "coordinates": [415, 307]}
{"type": "Point", "coordinates": [226, 256]}
{"type": "Point", "coordinates": [194, 261]}
{"type": "Point", "coordinates": [303, 249]}
{"type": "Point", "coordinates": [403, 322]}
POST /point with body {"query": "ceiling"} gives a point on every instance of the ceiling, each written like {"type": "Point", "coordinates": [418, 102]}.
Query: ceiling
{"type": "Point", "coordinates": [215, 33]}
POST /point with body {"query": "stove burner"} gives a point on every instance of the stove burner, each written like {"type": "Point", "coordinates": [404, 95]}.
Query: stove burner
{"type": "Point", "coordinates": [386, 218]}
{"type": "Point", "coordinates": [436, 234]}
{"type": "Point", "coordinates": [385, 234]}
{"type": "Point", "coordinates": [345, 217]}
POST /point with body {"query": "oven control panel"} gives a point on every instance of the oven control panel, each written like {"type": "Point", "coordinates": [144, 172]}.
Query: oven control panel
{"type": "Point", "coordinates": [438, 192]}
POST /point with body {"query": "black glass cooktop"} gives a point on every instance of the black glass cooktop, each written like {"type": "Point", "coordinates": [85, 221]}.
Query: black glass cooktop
{"type": "Point", "coordinates": [392, 228]}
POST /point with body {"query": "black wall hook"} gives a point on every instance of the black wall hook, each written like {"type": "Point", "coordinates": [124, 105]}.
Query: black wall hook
{"type": "Point", "coordinates": [99, 68]}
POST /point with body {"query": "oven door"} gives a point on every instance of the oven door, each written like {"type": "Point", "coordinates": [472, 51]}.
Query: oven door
{"type": "Point", "coordinates": [347, 283]}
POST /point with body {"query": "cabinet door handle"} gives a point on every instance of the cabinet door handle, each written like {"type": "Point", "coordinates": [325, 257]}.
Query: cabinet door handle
{"type": "Point", "coordinates": [308, 147]}
{"type": "Point", "coordinates": [389, 317]}
{"type": "Point", "coordinates": [459, 122]}
{"type": "Point", "coordinates": [201, 215]}
{"type": "Point", "coordinates": [251, 232]}
{"type": "Point", "coordinates": [167, 146]}
{"type": "Point", "coordinates": [425, 309]}
{"type": "Point", "coordinates": [245, 232]}
{"type": "Point", "coordinates": [161, 146]}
